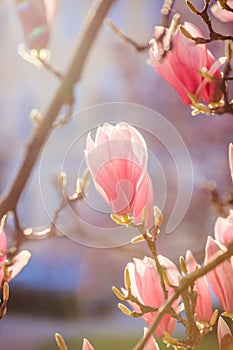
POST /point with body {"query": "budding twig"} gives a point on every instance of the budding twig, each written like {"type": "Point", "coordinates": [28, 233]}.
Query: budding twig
{"type": "Point", "coordinates": [184, 284]}
{"type": "Point", "coordinates": [123, 36]}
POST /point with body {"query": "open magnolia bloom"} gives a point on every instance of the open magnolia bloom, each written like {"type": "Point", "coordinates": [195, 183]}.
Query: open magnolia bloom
{"type": "Point", "coordinates": [220, 278]}
{"type": "Point", "coordinates": [225, 338]}
{"type": "Point", "coordinates": [179, 61]}
{"type": "Point", "coordinates": [9, 271]}
{"type": "Point", "coordinates": [117, 160]}
{"type": "Point", "coordinates": [36, 17]}
{"type": "Point", "coordinates": [222, 14]}
{"type": "Point", "coordinates": [145, 286]}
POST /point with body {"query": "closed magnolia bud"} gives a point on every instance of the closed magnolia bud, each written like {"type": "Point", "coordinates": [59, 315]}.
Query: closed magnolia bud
{"type": "Point", "coordinates": [117, 160]}
{"type": "Point", "coordinates": [36, 17]}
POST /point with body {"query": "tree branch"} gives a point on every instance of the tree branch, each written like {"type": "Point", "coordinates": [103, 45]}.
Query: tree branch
{"type": "Point", "coordinates": [184, 283]}
{"type": "Point", "coordinates": [92, 24]}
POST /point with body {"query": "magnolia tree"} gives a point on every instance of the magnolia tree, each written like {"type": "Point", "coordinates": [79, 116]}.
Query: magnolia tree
{"type": "Point", "coordinates": [155, 289]}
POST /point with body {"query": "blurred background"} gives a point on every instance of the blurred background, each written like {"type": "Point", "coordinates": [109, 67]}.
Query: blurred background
{"type": "Point", "coordinates": [66, 286]}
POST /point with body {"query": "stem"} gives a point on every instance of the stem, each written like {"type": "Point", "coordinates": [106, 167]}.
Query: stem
{"type": "Point", "coordinates": [184, 284]}
{"type": "Point", "coordinates": [92, 24]}
{"type": "Point", "coordinates": [191, 328]}
{"type": "Point", "coordinates": [151, 243]}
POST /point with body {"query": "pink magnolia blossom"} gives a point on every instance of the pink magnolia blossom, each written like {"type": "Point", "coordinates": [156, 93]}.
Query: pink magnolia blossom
{"type": "Point", "coordinates": [203, 305]}
{"type": "Point", "coordinates": [223, 229]}
{"type": "Point", "coordinates": [182, 64]}
{"type": "Point", "coordinates": [36, 17]}
{"type": "Point", "coordinates": [18, 262]}
{"type": "Point", "coordinates": [145, 285]}
{"type": "Point", "coordinates": [222, 14]}
{"type": "Point", "coordinates": [220, 278]}
{"type": "Point", "coordinates": [87, 345]}
{"type": "Point", "coordinates": [117, 160]}
{"type": "Point", "coordinates": [225, 338]}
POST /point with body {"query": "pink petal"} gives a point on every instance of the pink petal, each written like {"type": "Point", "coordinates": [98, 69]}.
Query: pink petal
{"type": "Point", "coordinates": [51, 9]}
{"type": "Point", "coordinates": [144, 198]}
{"type": "Point", "coordinates": [220, 278]}
{"type": "Point", "coordinates": [221, 14]}
{"type": "Point", "coordinates": [145, 285]}
{"type": "Point", "coordinates": [223, 229]}
{"type": "Point", "coordinates": [3, 247]}
{"type": "Point", "coordinates": [20, 261]}
{"type": "Point", "coordinates": [89, 143]}
{"type": "Point", "coordinates": [223, 330]}
{"type": "Point", "coordinates": [166, 72]}
{"type": "Point", "coordinates": [231, 159]}
{"type": "Point", "coordinates": [87, 345]}
{"type": "Point", "coordinates": [204, 304]}
{"type": "Point", "coordinates": [188, 58]}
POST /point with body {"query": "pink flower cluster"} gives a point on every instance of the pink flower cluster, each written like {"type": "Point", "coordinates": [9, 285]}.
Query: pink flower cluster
{"type": "Point", "coordinates": [117, 160]}
{"type": "Point", "coordinates": [181, 65]}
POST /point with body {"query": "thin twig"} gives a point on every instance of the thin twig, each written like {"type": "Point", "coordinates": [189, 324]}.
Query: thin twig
{"type": "Point", "coordinates": [123, 36]}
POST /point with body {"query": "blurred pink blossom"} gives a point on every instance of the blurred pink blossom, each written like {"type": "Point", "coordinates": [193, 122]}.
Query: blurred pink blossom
{"type": "Point", "coordinates": [204, 304]}
{"type": "Point", "coordinates": [117, 160]}
{"type": "Point", "coordinates": [36, 17]}
{"type": "Point", "coordinates": [18, 262]}
{"type": "Point", "coordinates": [223, 229]}
{"type": "Point", "coordinates": [87, 345]}
{"type": "Point", "coordinates": [220, 278]}
{"type": "Point", "coordinates": [225, 338]}
{"type": "Point", "coordinates": [181, 65]}
{"type": "Point", "coordinates": [222, 14]}
{"type": "Point", "coordinates": [145, 285]}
